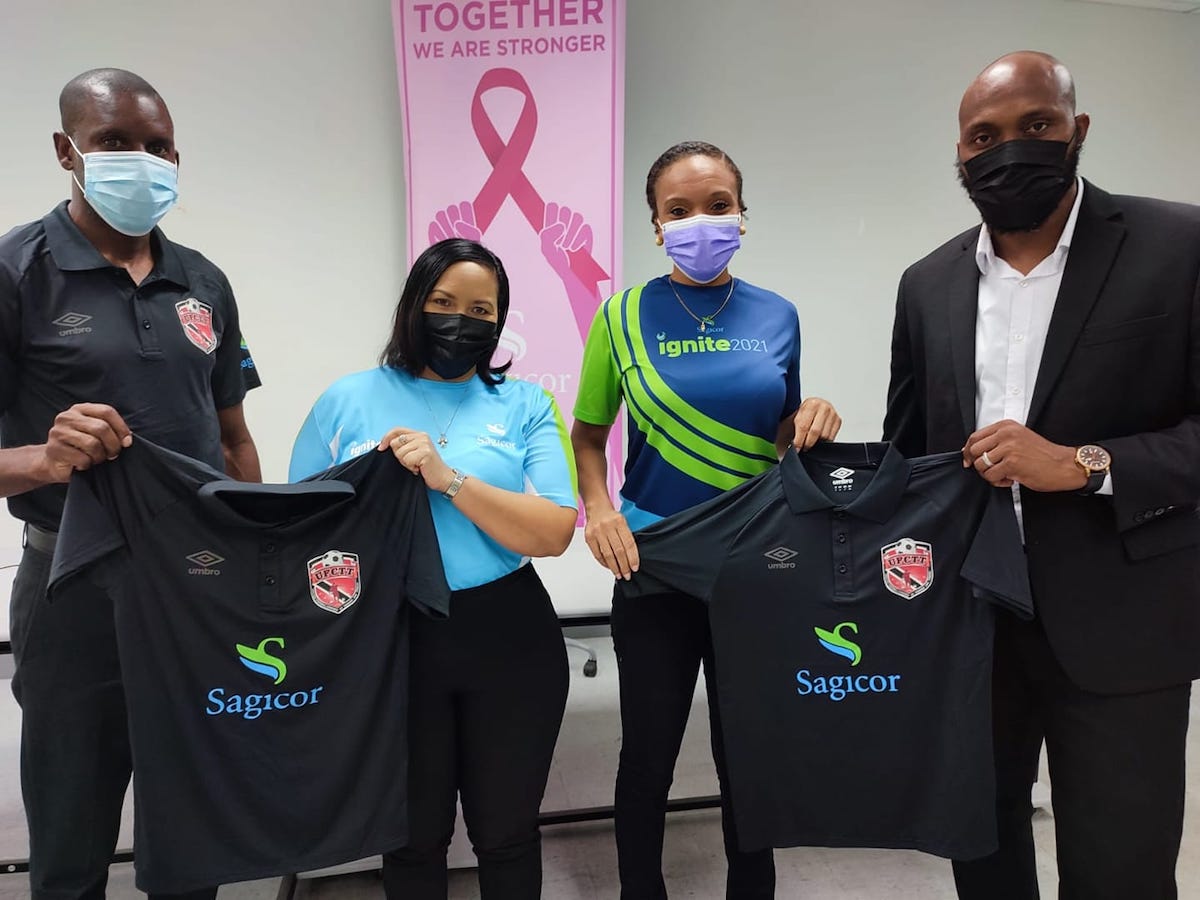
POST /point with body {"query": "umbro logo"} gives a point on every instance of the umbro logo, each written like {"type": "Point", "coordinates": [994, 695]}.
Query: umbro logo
{"type": "Point", "coordinates": [72, 323]}
{"type": "Point", "coordinates": [205, 563]}
{"type": "Point", "coordinates": [842, 479]}
{"type": "Point", "coordinates": [780, 557]}
{"type": "Point", "coordinates": [206, 558]}
{"type": "Point", "coordinates": [72, 320]}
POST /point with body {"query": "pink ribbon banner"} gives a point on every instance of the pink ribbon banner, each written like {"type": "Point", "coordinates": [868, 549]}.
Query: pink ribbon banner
{"type": "Point", "coordinates": [513, 136]}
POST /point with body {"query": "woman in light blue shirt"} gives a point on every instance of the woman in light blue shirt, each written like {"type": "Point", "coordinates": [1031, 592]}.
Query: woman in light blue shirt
{"type": "Point", "coordinates": [489, 683]}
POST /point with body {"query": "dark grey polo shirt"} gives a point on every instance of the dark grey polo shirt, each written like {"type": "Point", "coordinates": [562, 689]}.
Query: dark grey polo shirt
{"type": "Point", "coordinates": [263, 637]}
{"type": "Point", "coordinates": [166, 354]}
{"type": "Point", "coordinates": [851, 596]}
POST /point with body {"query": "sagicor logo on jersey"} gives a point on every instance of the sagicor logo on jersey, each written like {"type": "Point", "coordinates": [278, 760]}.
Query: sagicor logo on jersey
{"type": "Point", "coordinates": [839, 687]}
{"type": "Point", "coordinates": [907, 567]}
{"type": "Point", "coordinates": [257, 659]}
{"type": "Point", "coordinates": [334, 580]}
{"type": "Point", "coordinates": [250, 706]}
{"type": "Point", "coordinates": [197, 322]}
{"type": "Point", "coordinates": [835, 643]}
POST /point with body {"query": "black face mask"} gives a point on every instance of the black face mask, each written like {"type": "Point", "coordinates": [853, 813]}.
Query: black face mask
{"type": "Point", "coordinates": [1017, 185]}
{"type": "Point", "coordinates": [456, 343]}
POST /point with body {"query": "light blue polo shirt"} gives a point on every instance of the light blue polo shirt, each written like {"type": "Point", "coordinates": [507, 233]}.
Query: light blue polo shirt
{"type": "Point", "coordinates": [510, 435]}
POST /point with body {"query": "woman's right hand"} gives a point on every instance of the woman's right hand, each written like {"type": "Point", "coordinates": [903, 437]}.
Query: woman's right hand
{"type": "Point", "coordinates": [611, 542]}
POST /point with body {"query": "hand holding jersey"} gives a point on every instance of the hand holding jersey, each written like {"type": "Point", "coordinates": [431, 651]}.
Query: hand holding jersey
{"type": "Point", "coordinates": [80, 436]}
{"type": "Point", "coordinates": [815, 420]}
{"type": "Point", "coordinates": [1019, 455]}
{"type": "Point", "coordinates": [521, 522]}
{"type": "Point", "coordinates": [607, 533]}
{"type": "Point", "coordinates": [612, 543]}
{"type": "Point", "coordinates": [83, 435]}
{"type": "Point", "coordinates": [415, 451]}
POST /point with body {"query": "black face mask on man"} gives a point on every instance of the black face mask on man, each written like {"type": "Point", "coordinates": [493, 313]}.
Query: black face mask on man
{"type": "Point", "coordinates": [1017, 185]}
{"type": "Point", "coordinates": [455, 343]}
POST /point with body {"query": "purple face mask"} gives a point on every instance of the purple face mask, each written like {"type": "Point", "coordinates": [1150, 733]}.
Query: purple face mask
{"type": "Point", "coordinates": [702, 246]}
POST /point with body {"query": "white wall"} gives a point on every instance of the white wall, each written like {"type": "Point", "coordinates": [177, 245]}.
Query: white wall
{"type": "Point", "coordinates": [842, 116]}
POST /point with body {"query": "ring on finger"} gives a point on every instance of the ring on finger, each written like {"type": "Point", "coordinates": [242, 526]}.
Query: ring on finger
{"type": "Point", "coordinates": [987, 460]}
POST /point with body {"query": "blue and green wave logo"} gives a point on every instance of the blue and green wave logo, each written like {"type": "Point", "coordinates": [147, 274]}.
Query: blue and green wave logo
{"type": "Point", "coordinates": [835, 643]}
{"type": "Point", "coordinates": [257, 659]}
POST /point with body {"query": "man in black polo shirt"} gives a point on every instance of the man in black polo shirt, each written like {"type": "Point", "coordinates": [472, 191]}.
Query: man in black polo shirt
{"type": "Point", "coordinates": [105, 327]}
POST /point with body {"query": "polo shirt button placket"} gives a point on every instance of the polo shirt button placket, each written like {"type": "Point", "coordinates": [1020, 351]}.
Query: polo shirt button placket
{"type": "Point", "coordinates": [843, 562]}
{"type": "Point", "coordinates": [268, 566]}
{"type": "Point", "coordinates": [147, 336]}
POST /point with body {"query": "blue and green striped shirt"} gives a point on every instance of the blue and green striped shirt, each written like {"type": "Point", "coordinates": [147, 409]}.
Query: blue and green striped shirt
{"type": "Point", "coordinates": [703, 407]}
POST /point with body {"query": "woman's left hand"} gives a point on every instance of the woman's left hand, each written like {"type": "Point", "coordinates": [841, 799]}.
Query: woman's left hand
{"type": "Point", "coordinates": [815, 420]}
{"type": "Point", "coordinates": [417, 453]}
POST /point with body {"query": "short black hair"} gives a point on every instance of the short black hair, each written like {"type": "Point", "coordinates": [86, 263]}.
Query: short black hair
{"type": "Point", "coordinates": [83, 88]}
{"type": "Point", "coordinates": [406, 347]}
{"type": "Point", "coordinates": [678, 152]}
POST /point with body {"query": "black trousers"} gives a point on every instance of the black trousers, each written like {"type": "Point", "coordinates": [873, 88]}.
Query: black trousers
{"type": "Point", "coordinates": [1116, 772]}
{"type": "Point", "coordinates": [661, 642]}
{"type": "Point", "coordinates": [75, 758]}
{"type": "Point", "coordinates": [488, 690]}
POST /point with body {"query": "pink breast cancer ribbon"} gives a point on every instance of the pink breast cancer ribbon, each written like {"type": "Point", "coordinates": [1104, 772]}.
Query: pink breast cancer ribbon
{"type": "Point", "coordinates": [508, 179]}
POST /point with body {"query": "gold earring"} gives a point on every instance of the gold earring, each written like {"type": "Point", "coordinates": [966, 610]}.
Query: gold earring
{"type": "Point", "coordinates": [741, 229]}
{"type": "Point", "coordinates": [658, 238]}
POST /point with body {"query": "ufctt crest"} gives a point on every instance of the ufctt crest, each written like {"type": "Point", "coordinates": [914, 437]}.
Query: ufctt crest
{"type": "Point", "coordinates": [907, 567]}
{"type": "Point", "coordinates": [334, 580]}
{"type": "Point", "coordinates": [197, 322]}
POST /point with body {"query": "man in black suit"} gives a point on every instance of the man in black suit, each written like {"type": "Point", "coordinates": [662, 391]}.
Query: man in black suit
{"type": "Point", "coordinates": [1058, 346]}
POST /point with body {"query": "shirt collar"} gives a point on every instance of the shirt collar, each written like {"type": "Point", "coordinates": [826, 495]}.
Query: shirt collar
{"type": "Point", "coordinates": [985, 253]}
{"type": "Point", "coordinates": [73, 252]}
{"type": "Point", "coordinates": [878, 500]}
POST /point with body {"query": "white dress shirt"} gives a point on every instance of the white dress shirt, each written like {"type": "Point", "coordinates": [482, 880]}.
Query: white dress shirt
{"type": "Point", "coordinates": [1013, 317]}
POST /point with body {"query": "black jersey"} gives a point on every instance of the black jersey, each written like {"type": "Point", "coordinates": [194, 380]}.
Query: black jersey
{"type": "Point", "coordinates": [262, 633]}
{"type": "Point", "coordinates": [853, 650]}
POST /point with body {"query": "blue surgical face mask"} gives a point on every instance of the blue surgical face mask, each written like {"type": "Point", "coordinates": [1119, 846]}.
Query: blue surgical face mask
{"type": "Point", "coordinates": [129, 190]}
{"type": "Point", "coordinates": [702, 245]}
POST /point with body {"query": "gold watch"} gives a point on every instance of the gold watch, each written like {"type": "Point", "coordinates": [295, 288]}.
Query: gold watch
{"type": "Point", "coordinates": [1095, 462]}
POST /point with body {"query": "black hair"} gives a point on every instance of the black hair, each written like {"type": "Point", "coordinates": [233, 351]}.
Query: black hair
{"type": "Point", "coordinates": [83, 88]}
{"type": "Point", "coordinates": [678, 152]}
{"type": "Point", "coordinates": [406, 347]}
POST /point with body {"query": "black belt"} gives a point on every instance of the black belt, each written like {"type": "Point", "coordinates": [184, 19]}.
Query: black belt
{"type": "Point", "coordinates": [39, 539]}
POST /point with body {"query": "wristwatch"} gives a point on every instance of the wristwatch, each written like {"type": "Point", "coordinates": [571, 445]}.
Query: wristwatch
{"type": "Point", "coordinates": [1095, 462]}
{"type": "Point", "coordinates": [455, 484]}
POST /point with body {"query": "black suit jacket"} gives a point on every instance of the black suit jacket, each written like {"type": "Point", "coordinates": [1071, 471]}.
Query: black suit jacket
{"type": "Point", "coordinates": [1116, 580]}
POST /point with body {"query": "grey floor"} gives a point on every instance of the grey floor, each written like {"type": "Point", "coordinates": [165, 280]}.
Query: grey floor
{"type": "Point", "coordinates": [580, 860]}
